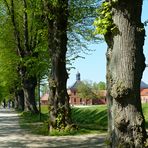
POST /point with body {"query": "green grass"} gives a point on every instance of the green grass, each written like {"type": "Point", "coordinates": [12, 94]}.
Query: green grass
{"type": "Point", "coordinates": [44, 109]}
{"type": "Point", "coordinates": [91, 119]}
{"type": "Point", "coordinates": [145, 112]}
{"type": "Point", "coordinates": [32, 122]}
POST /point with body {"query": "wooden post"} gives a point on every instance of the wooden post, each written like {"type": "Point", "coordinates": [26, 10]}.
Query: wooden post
{"type": "Point", "coordinates": [39, 99]}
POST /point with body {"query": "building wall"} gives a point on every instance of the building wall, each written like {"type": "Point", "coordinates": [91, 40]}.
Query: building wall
{"type": "Point", "coordinates": [144, 99]}
{"type": "Point", "coordinates": [144, 95]}
{"type": "Point", "coordinates": [75, 100]}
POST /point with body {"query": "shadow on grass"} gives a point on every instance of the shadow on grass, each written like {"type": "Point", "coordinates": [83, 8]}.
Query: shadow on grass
{"type": "Point", "coordinates": [90, 118]}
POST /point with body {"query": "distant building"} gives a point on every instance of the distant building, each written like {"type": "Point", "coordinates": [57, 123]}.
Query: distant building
{"type": "Point", "coordinates": [144, 92]}
{"type": "Point", "coordinates": [44, 99]}
{"type": "Point", "coordinates": [74, 99]}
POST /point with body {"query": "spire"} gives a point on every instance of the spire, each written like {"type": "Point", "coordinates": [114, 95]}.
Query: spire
{"type": "Point", "coordinates": [78, 76]}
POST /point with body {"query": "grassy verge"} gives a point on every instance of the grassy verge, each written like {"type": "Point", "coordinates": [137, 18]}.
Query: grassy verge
{"type": "Point", "coordinates": [93, 117]}
{"type": "Point", "coordinates": [32, 123]}
{"type": "Point", "coordinates": [90, 120]}
{"type": "Point", "coordinates": [145, 112]}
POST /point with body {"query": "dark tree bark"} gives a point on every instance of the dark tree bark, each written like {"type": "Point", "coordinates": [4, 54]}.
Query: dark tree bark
{"type": "Point", "coordinates": [29, 85]}
{"type": "Point", "coordinates": [125, 65]}
{"type": "Point", "coordinates": [24, 50]}
{"type": "Point", "coordinates": [59, 109]}
{"type": "Point", "coordinates": [19, 100]}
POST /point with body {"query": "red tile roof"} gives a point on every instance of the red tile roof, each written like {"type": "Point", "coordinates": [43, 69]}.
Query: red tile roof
{"type": "Point", "coordinates": [45, 97]}
{"type": "Point", "coordinates": [144, 92]}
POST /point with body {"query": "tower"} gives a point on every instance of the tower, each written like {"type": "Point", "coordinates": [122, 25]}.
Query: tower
{"type": "Point", "coordinates": [78, 76]}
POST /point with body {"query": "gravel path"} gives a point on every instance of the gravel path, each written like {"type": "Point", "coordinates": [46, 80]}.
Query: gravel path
{"type": "Point", "coordinates": [12, 136]}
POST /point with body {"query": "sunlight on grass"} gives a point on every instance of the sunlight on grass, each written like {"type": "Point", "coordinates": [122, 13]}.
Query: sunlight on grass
{"type": "Point", "coordinates": [90, 120]}
{"type": "Point", "coordinates": [145, 112]}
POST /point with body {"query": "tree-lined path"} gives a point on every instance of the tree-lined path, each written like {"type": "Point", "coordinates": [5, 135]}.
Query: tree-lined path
{"type": "Point", "coordinates": [12, 136]}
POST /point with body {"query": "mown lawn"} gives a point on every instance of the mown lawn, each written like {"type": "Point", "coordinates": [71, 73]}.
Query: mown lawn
{"type": "Point", "coordinates": [92, 119]}
{"type": "Point", "coordinates": [145, 112]}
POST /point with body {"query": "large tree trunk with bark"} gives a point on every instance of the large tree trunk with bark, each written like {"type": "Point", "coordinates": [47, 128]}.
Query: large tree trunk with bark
{"type": "Point", "coordinates": [29, 85]}
{"type": "Point", "coordinates": [19, 100]}
{"type": "Point", "coordinates": [125, 65]}
{"type": "Point", "coordinates": [25, 49]}
{"type": "Point", "coordinates": [59, 109]}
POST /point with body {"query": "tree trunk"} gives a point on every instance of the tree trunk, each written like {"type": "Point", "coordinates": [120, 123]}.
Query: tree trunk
{"type": "Point", "coordinates": [19, 102]}
{"type": "Point", "coordinates": [29, 85]}
{"type": "Point", "coordinates": [59, 109]}
{"type": "Point", "coordinates": [59, 99]}
{"type": "Point", "coordinates": [125, 65]}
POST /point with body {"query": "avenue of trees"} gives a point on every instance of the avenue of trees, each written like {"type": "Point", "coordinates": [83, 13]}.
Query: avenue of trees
{"type": "Point", "coordinates": [35, 38]}
{"type": "Point", "coordinates": [39, 37]}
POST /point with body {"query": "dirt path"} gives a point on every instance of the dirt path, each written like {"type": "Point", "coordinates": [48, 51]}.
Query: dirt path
{"type": "Point", "coordinates": [11, 136]}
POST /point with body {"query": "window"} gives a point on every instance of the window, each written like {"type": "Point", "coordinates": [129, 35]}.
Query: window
{"type": "Point", "coordinates": [80, 100]}
{"type": "Point", "coordinates": [74, 100]}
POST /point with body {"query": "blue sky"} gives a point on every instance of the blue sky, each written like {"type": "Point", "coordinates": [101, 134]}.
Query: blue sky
{"type": "Point", "coordinates": [93, 67]}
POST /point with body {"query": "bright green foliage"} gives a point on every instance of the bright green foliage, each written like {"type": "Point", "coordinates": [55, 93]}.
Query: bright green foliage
{"type": "Point", "coordinates": [36, 61]}
{"type": "Point", "coordinates": [8, 73]}
{"type": "Point", "coordinates": [104, 22]}
{"type": "Point", "coordinates": [8, 59]}
{"type": "Point", "coordinates": [102, 85]}
{"type": "Point", "coordinates": [89, 90]}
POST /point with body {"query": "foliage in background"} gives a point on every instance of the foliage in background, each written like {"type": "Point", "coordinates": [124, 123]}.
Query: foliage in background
{"type": "Point", "coordinates": [101, 86]}
{"type": "Point", "coordinates": [9, 78]}
{"type": "Point", "coordinates": [36, 61]}
{"type": "Point", "coordinates": [84, 90]}
{"type": "Point", "coordinates": [89, 90]}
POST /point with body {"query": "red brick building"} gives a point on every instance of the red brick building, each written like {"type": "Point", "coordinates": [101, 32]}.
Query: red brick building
{"type": "Point", "coordinates": [76, 100]}
{"type": "Point", "coordinates": [44, 99]}
{"type": "Point", "coordinates": [144, 92]}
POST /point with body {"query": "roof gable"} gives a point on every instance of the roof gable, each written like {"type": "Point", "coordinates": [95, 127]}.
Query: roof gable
{"type": "Point", "coordinates": [143, 85]}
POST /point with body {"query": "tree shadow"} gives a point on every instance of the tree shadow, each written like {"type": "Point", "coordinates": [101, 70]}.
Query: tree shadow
{"type": "Point", "coordinates": [11, 135]}
{"type": "Point", "coordinates": [61, 142]}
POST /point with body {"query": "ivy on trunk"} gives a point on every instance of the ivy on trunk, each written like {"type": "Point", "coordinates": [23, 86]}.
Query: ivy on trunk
{"type": "Point", "coordinates": [59, 109]}
{"type": "Point", "coordinates": [125, 66]}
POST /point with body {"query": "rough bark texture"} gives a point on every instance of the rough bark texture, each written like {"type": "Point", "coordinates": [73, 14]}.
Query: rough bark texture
{"type": "Point", "coordinates": [19, 100]}
{"type": "Point", "coordinates": [59, 109]}
{"type": "Point", "coordinates": [125, 65]}
{"type": "Point", "coordinates": [29, 85]}
{"type": "Point", "coordinates": [24, 50]}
